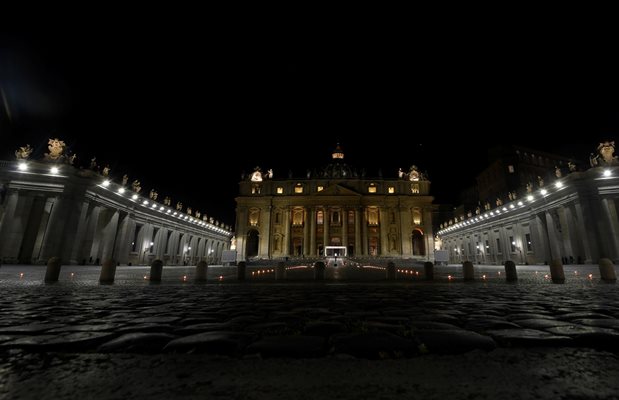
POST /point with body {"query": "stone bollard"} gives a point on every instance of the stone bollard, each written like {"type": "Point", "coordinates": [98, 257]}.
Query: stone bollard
{"type": "Point", "coordinates": [468, 271]}
{"type": "Point", "coordinates": [390, 271]}
{"type": "Point", "coordinates": [428, 269]}
{"type": "Point", "coordinates": [53, 269]}
{"type": "Point", "coordinates": [240, 271]}
{"type": "Point", "coordinates": [201, 271]}
{"type": "Point", "coordinates": [510, 271]}
{"type": "Point", "coordinates": [556, 271]}
{"type": "Point", "coordinates": [280, 272]}
{"type": "Point", "coordinates": [319, 271]}
{"type": "Point", "coordinates": [156, 270]}
{"type": "Point", "coordinates": [108, 272]}
{"type": "Point", "coordinates": [607, 270]}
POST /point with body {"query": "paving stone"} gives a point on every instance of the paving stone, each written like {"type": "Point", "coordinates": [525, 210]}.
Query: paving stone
{"type": "Point", "coordinates": [207, 327]}
{"type": "Point", "coordinates": [137, 343]}
{"type": "Point", "coordinates": [79, 341]}
{"type": "Point", "coordinates": [85, 328]}
{"type": "Point", "coordinates": [269, 328]}
{"type": "Point", "coordinates": [324, 328]}
{"type": "Point", "coordinates": [528, 338]}
{"type": "Point", "coordinates": [218, 342]}
{"type": "Point", "coordinates": [373, 345]}
{"type": "Point", "coordinates": [454, 341]}
{"type": "Point", "coordinates": [536, 315]}
{"type": "Point", "coordinates": [578, 330]}
{"type": "Point", "coordinates": [541, 323]}
{"type": "Point", "coordinates": [146, 327]}
{"type": "Point", "coordinates": [157, 320]}
{"type": "Point", "coordinates": [29, 329]}
{"type": "Point", "coordinates": [483, 325]}
{"type": "Point", "coordinates": [289, 346]}
{"type": "Point", "coordinates": [430, 325]}
{"type": "Point", "coordinates": [602, 323]}
{"type": "Point", "coordinates": [583, 315]}
{"type": "Point", "coordinates": [33, 343]}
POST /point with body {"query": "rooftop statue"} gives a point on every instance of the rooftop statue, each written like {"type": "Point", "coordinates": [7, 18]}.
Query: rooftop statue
{"type": "Point", "coordinates": [167, 201]}
{"type": "Point", "coordinates": [106, 170]}
{"type": "Point", "coordinates": [125, 179]}
{"type": "Point", "coordinates": [607, 151]}
{"type": "Point", "coordinates": [23, 152]}
{"type": "Point", "coordinates": [136, 186]}
{"type": "Point", "coordinates": [571, 166]}
{"type": "Point", "coordinates": [558, 172]}
{"type": "Point", "coordinates": [56, 148]}
{"type": "Point", "coordinates": [179, 206]}
{"type": "Point", "coordinates": [256, 176]}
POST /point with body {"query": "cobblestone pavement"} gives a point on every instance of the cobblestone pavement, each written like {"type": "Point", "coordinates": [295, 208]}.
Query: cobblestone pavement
{"type": "Point", "coordinates": [133, 324]}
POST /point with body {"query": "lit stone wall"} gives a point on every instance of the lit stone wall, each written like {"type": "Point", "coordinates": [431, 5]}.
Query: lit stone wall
{"type": "Point", "coordinates": [76, 215]}
{"type": "Point", "coordinates": [573, 219]}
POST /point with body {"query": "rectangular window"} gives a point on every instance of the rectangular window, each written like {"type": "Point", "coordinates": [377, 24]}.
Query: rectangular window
{"type": "Point", "coordinates": [478, 249]}
{"type": "Point", "coordinates": [510, 168]}
{"type": "Point", "coordinates": [391, 190]}
{"type": "Point", "coordinates": [528, 238]}
{"type": "Point", "coordinates": [488, 248]}
{"type": "Point", "coordinates": [319, 217]}
{"type": "Point", "coordinates": [498, 246]}
{"type": "Point", "coordinates": [280, 190]}
{"type": "Point", "coordinates": [468, 245]}
{"type": "Point", "coordinates": [372, 189]}
{"type": "Point", "coordinates": [335, 218]}
{"type": "Point", "coordinates": [320, 188]}
{"type": "Point", "coordinates": [415, 188]}
{"type": "Point", "coordinates": [351, 217]}
{"type": "Point", "coordinates": [512, 243]}
{"type": "Point", "coordinates": [298, 189]}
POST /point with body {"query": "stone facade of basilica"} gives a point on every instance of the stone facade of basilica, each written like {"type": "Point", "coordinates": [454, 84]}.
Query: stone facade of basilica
{"type": "Point", "coordinates": [335, 210]}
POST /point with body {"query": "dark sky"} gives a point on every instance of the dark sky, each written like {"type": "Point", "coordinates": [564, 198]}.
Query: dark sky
{"type": "Point", "coordinates": [186, 115]}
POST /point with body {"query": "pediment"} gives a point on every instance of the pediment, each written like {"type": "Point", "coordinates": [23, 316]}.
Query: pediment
{"type": "Point", "coordinates": [337, 190]}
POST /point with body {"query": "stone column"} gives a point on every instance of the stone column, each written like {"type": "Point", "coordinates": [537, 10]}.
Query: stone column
{"type": "Point", "coordinates": [325, 231]}
{"type": "Point", "coordinates": [575, 237]}
{"type": "Point", "coordinates": [554, 240]}
{"type": "Point", "coordinates": [364, 233]}
{"type": "Point", "coordinates": [51, 244]}
{"type": "Point", "coordinates": [123, 240]}
{"type": "Point", "coordinates": [77, 250]}
{"type": "Point", "coordinates": [286, 242]}
{"type": "Point", "coordinates": [109, 237]}
{"type": "Point", "coordinates": [344, 214]}
{"type": "Point", "coordinates": [384, 240]}
{"type": "Point", "coordinates": [566, 243]}
{"type": "Point", "coordinates": [358, 248]}
{"type": "Point", "coordinates": [406, 229]}
{"type": "Point", "coordinates": [312, 223]}
{"type": "Point", "coordinates": [241, 233]}
{"type": "Point", "coordinates": [588, 229]}
{"type": "Point", "coordinates": [14, 225]}
{"type": "Point", "coordinates": [306, 232]}
{"type": "Point", "coordinates": [610, 241]}
{"type": "Point", "coordinates": [265, 233]}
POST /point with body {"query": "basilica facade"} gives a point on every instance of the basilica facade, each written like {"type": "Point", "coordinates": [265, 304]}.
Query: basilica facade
{"type": "Point", "coordinates": [334, 211]}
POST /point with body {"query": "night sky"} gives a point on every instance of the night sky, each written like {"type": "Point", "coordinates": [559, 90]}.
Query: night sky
{"type": "Point", "coordinates": [171, 110]}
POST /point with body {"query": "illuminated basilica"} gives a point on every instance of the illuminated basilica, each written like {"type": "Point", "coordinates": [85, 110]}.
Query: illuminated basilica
{"type": "Point", "coordinates": [334, 211]}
